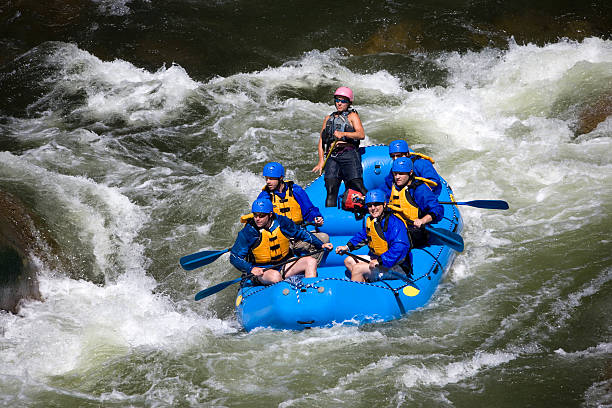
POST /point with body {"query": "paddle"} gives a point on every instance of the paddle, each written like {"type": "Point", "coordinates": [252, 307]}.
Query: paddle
{"type": "Point", "coordinates": [217, 288]}
{"type": "Point", "coordinates": [491, 204]}
{"type": "Point", "coordinates": [450, 238]}
{"type": "Point", "coordinates": [331, 149]}
{"type": "Point", "coordinates": [193, 261]}
{"type": "Point", "coordinates": [220, 286]}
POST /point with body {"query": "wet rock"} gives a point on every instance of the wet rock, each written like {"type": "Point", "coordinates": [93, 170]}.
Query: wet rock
{"type": "Point", "coordinates": [20, 243]}
{"type": "Point", "coordinates": [593, 114]}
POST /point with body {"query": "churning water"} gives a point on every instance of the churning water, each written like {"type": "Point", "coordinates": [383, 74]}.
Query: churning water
{"type": "Point", "coordinates": [131, 168]}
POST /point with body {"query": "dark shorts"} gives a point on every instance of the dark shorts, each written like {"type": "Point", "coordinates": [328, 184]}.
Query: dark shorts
{"type": "Point", "coordinates": [381, 273]}
{"type": "Point", "coordinates": [346, 166]}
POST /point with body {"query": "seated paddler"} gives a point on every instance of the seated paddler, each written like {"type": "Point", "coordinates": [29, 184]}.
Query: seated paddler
{"type": "Point", "coordinates": [413, 201]}
{"type": "Point", "coordinates": [422, 164]}
{"type": "Point", "coordinates": [290, 200]}
{"type": "Point", "coordinates": [264, 243]}
{"type": "Point", "coordinates": [387, 238]}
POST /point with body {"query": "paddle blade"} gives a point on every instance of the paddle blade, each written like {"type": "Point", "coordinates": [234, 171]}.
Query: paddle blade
{"type": "Point", "coordinates": [449, 238]}
{"type": "Point", "coordinates": [214, 289]}
{"type": "Point", "coordinates": [193, 261]}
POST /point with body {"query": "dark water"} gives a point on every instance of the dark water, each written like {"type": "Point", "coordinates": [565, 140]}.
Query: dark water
{"type": "Point", "coordinates": [137, 131]}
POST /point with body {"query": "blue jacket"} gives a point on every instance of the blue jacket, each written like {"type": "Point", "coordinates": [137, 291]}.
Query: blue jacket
{"type": "Point", "coordinates": [309, 211]}
{"type": "Point", "coordinates": [422, 168]}
{"type": "Point", "coordinates": [249, 235]}
{"type": "Point", "coordinates": [398, 243]}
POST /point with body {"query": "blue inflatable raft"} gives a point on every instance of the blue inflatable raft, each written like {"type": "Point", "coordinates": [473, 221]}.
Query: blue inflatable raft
{"type": "Point", "coordinates": [332, 298]}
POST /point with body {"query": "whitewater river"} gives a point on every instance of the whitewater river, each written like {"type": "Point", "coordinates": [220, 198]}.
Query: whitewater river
{"type": "Point", "coordinates": [133, 161]}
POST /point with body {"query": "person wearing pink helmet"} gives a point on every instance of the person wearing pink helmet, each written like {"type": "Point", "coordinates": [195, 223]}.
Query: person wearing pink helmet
{"type": "Point", "coordinates": [339, 147]}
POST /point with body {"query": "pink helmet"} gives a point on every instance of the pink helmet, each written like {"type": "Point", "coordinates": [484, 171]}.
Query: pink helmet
{"type": "Point", "coordinates": [344, 91]}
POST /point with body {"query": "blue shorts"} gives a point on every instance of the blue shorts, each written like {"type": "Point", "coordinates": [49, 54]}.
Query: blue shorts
{"type": "Point", "coordinates": [346, 166]}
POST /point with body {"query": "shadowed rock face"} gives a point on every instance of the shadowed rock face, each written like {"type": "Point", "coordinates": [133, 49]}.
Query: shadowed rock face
{"type": "Point", "coordinates": [19, 240]}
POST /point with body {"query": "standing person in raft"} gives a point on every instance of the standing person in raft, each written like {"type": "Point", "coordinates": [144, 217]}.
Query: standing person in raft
{"type": "Point", "coordinates": [423, 166]}
{"type": "Point", "coordinates": [290, 200]}
{"type": "Point", "coordinates": [413, 201]}
{"type": "Point", "coordinates": [264, 241]}
{"type": "Point", "coordinates": [339, 148]}
{"type": "Point", "coordinates": [386, 236]}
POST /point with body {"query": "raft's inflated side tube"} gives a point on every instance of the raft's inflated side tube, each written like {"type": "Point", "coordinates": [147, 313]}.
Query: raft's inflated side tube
{"type": "Point", "coordinates": [331, 298]}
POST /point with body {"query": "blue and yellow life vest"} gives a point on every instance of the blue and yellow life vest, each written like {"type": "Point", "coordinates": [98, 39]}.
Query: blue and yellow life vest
{"type": "Point", "coordinates": [288, 206]}
{"type": "Point", "coordinates": [402, 203]}
{"type": "Point", "coordinates": [272, 245]}
{"type": "Point", "coordinates": [376, 233]}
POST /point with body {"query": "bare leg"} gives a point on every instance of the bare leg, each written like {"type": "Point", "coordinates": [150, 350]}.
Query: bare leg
{"type": "Point", "coordinates": [308, 265]}
{"type": "Point", "coordinates": [270, 277]}
{"type": "Point", "coordinates": [357, 269]}
{"type": "Point", "coordinates": [360, 271]}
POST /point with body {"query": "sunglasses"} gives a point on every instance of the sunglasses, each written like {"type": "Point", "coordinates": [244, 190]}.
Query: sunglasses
{"type": "Point", "coordinates": [338, 100]}
{"type": "Point", "coordinates": [374, 204]}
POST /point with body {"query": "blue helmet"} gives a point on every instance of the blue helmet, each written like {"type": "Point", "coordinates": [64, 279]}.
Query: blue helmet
{"type": "Point", "coordinates": [262, 205]}
{"type": "Point", "coordinates": [375, 196]}
{"type": "Point", "coordinates": [274, 169]}
{"type": "Point", "coordinates": [398, 146]}
{"type": "Point", "coordinates": [402, 165]}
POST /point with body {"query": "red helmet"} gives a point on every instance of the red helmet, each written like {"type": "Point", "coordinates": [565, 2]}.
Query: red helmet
{"type": "Point", "coordinates": [344, 91]}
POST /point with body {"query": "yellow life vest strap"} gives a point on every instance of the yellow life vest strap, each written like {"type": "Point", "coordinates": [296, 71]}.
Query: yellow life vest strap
{"type": "Point", "coordinates": [245, 218]}
{"type": "Point", "coordinates": [430, 183]}
{"type": "Point", "coordinates": [422, 156]}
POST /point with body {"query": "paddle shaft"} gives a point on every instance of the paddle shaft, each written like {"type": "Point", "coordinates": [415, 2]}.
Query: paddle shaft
{"type": "Point", "coordinates": [331, 149]}
{"type": "Point", "coordinates": [359, 258]}
{"type": "Point", "coordinates": [490, 204]}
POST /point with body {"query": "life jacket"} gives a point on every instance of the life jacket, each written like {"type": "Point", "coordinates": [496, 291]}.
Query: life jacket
{"type": "Point", "coordinates": [272, 245]}
{"type": "Point", "coordinates": [375, 231]}
{"type": "Point", "coordinates": [338, 121]}
{"type": "Point", "coordinates": [402, 203]}
{"type": "Point", "coordinates": [288, 206]}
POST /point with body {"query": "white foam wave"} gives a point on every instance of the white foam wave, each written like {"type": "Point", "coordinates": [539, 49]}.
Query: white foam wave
{"type": "Point", "coordinates": [99, 215]}
{"type": "Point", "coordinates": [81, 325]}
{"type": "Point", "coordinates": [602, 349]}
{"type": "Point", "coordinates": [118, 89]}
{"type": "Point", "coordinates": [455, 372]}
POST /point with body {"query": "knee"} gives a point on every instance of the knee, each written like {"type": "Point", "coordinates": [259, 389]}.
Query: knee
{"type": "Point", "coordinates": [357, 184]}
{"type": "Point", "coordinates": [311, 262]}
{"type": "Point", "coordinates": [274, 278]}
